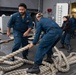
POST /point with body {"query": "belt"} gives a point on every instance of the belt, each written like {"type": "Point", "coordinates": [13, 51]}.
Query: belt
{"type": "Point", "coordinates": [55, 28]}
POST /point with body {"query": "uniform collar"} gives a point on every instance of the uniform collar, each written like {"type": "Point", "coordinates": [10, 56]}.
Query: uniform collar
{"type": "Point", "coordinates": [41, 18]}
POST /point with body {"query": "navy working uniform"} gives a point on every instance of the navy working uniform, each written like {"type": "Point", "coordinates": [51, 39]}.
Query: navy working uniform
{"type": "Point", "coordinates": [20, 26]}
{"type": "Point", "coordinates": [52, 35]}
{"type": "Point", "coordinates": [73, 24]}
{"type": "Point", "coordinates": [65, 40]}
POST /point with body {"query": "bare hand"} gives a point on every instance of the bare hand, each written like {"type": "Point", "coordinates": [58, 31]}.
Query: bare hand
{"type": "Point", "coordinates": [25, 34]}
{"type": "Point", "coordinates": [8, 34]}
{"type": "Point", "coordinates": [31, 45]}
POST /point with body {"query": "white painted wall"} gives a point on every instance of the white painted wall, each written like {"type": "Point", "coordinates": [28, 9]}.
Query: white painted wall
{"type": "Point", "coordinates": [3, 23]}
{"type": "Point", "coordinates": [61, 10]}
{"type": "Point", "coordinates": [31, 4]}
{"type": "Point", "coordinates": [52, 4]}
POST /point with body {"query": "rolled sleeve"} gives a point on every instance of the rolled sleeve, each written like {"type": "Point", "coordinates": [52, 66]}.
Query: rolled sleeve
{"type": "Point", "coordinates": [11, 22]}
{"type": "Point", "coordinates": [37, 34]}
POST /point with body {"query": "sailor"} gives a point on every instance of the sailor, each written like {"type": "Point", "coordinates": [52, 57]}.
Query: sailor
{"type": "Point", "coordinates": [52, 34]}
{"type": "Point", "coordinates": [21, 23]}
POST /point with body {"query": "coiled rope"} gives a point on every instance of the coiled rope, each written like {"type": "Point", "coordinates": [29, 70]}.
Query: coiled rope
{"type": "Point", "coordinates": [61, 63]}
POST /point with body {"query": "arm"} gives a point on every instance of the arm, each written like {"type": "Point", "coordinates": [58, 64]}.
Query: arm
{"type": "Point", "coordinates": [9, 25]}
{"type": "Point", "coordinates": [8, 31]}
{"type": "Point", "coordinates": [30, 26]}
{"type": "Point", "coordinates": [27, 32]}
{"type": "Point", "coordinates": [43, 34]}
{"type": "Point", "coordinates": [37, 34]}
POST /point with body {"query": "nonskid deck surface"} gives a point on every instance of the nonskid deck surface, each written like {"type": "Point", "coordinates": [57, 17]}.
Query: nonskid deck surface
{"type": "Point", "coordinates": [6, 48]}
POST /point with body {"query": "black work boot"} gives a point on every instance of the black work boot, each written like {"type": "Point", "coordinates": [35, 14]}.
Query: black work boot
{"type": "Point", "coordinates": [49, 60]}
{"type": "Point", "coordinates": [34, 70]}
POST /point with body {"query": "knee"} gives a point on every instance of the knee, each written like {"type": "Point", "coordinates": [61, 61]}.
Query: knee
{"type": "Point", "coordinates": [16, 45]}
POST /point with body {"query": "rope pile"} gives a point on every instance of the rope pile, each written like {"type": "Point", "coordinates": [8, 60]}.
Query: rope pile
{"type": "Point", "coordinates": [61, 63]}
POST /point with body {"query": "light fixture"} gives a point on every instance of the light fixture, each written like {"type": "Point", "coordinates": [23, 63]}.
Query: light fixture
{"type": "Point", "coordinates": [74, 10]}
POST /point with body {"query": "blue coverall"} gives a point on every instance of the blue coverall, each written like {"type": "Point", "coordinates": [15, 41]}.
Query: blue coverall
{"type": "Point", "coordinates": [73, 24]}
{"type": "Point", "coordinates": [51, 37]}
{"type": "Point", "coordinates": [66, 36]}
{"type": "Point", "coordinates": [20, 26]}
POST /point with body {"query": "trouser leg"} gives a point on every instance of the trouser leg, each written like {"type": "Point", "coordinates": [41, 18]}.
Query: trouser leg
{"type": "Point", "coordinates": [63, 38]}
{"type": "Point", "coordinates": [50, 52]}
{"type": "Point", "coordinates": [17, 43]}
{"type": "Point", "coordinates": [67, 42]}
{"type": "Point", "coordinates": [24, 43]}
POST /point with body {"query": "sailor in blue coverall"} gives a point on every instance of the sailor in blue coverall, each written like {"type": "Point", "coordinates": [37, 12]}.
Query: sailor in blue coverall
{"type": "Point", "coordinates": [66, 36]}
{"type": "Point", "coordinates": [51, 37]}
{"type": "Point", "coordinates": [22, 24]}
{"type": "Point", "coordinates": [72, 21]}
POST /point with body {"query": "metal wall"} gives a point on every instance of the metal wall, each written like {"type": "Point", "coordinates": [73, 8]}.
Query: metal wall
{"type": "Point", "coordinates": [31, 4]}
{"type": "Point", "coordinates": [8, 7]}
{"type": "Point", "coordinates": [52, 4]}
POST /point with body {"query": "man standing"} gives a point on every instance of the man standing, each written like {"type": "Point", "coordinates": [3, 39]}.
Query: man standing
{"type": "Point", "coordinates": [21, 23]}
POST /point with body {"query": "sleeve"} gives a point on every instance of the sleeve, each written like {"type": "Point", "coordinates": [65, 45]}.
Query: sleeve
{"type": "Point", "coordinates": [66, 27]}
{"type": "Point", "coordinates": [11, 22]}
{"type": "Point", "coordinates": [37, 34]}
{"type": "Point", "coordinates": [42, 34]}
{"type": "Point", "coordinates": [30, 25]}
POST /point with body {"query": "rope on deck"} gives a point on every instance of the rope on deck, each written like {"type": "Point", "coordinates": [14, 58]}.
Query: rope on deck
{"type": "Point", "coordinates": [61, 63]}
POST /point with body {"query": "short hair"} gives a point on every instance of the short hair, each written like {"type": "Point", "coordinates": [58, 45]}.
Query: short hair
{"type": "Point", "coordinates": [22, 5]}
{"type": "Point", "coordinates": [39, 15]}
{"type": "Point", "coordinates": [66, 17]}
